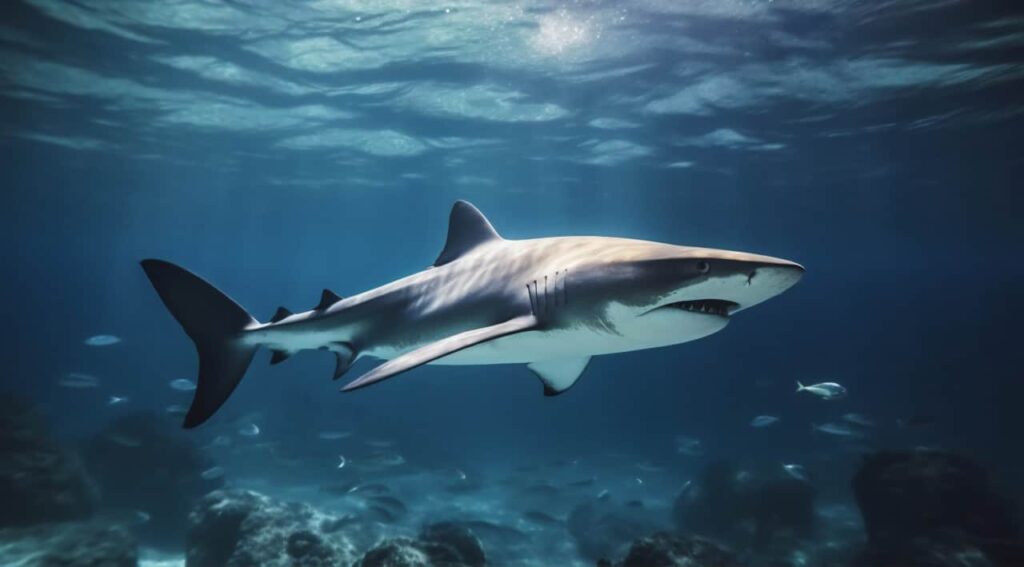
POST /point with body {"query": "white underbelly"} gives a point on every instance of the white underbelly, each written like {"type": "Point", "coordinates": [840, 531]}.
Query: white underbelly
{"type": "Point", "coordinates": [532, 346]}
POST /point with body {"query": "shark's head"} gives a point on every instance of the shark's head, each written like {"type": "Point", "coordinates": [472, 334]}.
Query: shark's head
{"type": "Point", "coordinates": [673, 294]}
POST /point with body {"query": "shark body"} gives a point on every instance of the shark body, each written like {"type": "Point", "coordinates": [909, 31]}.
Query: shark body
{"type": "Point", "coordinates": [551, 303]}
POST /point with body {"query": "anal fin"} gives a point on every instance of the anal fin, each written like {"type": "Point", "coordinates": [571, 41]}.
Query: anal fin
{"type": "Point", "coordinates": [443, 347]}
{"type": "Point", "coordinates": [279, 356]}
{"type": "Point", "coordinates": [559, 374]}
{"type": "Point", "coordinates": [345, 356]}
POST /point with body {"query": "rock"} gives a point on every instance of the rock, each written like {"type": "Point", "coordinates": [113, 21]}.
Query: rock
{"type": "Point", "coordinates": [68, 544]}
{"type": "Point", "coordinates": [667, 550]}
{"type": "Point", "coordinates": [444, 544]}
{"type": "Point", "coordinates": [398, 552]}
{"type": "Point", "coordinates": [39, 481]}
{"type": "Point", "coordinates": [746, 510]}
{"type": "Point", "coordinates": [924, 552]}
{"type": "Point", "coordinates": [929, 508]}
{"type": "Point", "coordinates": [143, 465]}
{"type": "Point", "coordinates": [235, 528]}
{"type": "Point", "coordinates": [454, 544]}
{"type": "Point", "coordinates": [904, 495]}
{"type": "Point", "coordinates": [604, 528]}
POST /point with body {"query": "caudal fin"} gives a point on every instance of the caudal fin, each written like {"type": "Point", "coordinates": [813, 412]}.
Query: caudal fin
{"type": "Point", "coordinates": [214, 322]}
{"type": "Point", "coordinates": [799, 387]}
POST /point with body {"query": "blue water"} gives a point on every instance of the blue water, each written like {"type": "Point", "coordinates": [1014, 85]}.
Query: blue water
{"type": "Point", "coordinates": [278, 148]}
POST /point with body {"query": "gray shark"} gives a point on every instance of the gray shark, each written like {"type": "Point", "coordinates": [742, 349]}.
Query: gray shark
{"type": "Point", "coordinates": [549, 303]}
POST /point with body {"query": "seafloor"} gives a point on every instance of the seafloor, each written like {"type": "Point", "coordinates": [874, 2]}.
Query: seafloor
{"type": "Point", "coordinates": [141, 492]}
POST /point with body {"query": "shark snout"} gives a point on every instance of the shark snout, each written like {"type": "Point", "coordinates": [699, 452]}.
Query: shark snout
{"type": "Point", "coordinates": [732, 281]}
{"type": "Point", "coordinates": [760, 278]}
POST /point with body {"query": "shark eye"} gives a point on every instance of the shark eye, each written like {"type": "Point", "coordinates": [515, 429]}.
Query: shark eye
{"type": "Point", "coordinates": [703, 267]}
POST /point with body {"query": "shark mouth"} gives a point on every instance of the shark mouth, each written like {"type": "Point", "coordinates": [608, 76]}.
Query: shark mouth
{"type": "Point", "coordinates": [718, 307]}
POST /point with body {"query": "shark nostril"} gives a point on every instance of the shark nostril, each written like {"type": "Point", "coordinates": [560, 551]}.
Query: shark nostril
{"type": "Point", "coordinates": [703, 267]}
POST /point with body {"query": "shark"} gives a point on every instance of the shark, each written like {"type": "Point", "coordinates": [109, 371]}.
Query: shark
{"type": "Point", "coordinates": [549, 303]}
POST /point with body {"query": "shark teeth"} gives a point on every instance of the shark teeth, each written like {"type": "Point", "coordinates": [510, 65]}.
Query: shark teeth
{"type": "Point", "coordinates": [718, 307]}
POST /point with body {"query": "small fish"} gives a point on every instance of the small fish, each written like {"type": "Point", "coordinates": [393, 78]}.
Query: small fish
{"type": "Point", "coordinates": [341, 461]}
{"type": "Point", "coordinates": [689, 446]}
{"type": "Point", "coordinates": [383, 460]}
{"type": "Point", "coordinates": [638, 480]}
{"type": "Point", "coordinates": [142, 517]}
{"type": "Point", "coordinates": [744, 477]}
{"type": "Point", "coordinates": [685, 488]}
{"type": "Point", "coordinates": [649, 467]}
{"type": "Point", "coordinates": [858, 419]}
{"type": "Point", "coordinates": [796, 471]}
{"type": "Point", "coordinates": [460, 474]}
{"type": "Point", "coordinates": [369, 488]}
{"type": "Point", "coordinates": [604, 495]}
{"type": "Point", "coordinates": [114, 400]}
{"type": "Point", "coordinates": [764, 421]}
{"type": "Point", "coordinates": [212, 473]}
{"type": "Point", "coordinates": [249, 430]}
{"type": "Point", "coordinates": [824, 390]}
{"type": "Point", "coordinates": [124, 440]}
{"type": "Point", "coordinates": [176, 410]}
{"type": "Point", "coordinates": [840, 429]}
{"type": "Point", "coordinates": [334, 435]}
{"type": "Point", "coordinates": [78, 380]}
{"type": "Point", "coordinates": [218, 441]}
{"type": "Point", "coordinates": [182, 385]}
{"type": "Point", "coordinates": [635, 504]}
{"type": "Point", "coordinates": [102, 340]}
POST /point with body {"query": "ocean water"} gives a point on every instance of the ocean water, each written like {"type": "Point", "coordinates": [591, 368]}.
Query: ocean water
{"type": "Point", "coordinates": [280, 148]}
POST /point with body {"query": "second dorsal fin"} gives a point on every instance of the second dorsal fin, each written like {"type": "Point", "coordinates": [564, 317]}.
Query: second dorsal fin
{"type": "Point", "coordinates": [281, 313]}
{"type": "Point", "coordinates": [467, 229]}
{"type": "Point", "coordinates": [327, 299]}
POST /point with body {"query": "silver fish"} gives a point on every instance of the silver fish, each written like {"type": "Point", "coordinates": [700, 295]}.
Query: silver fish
{"type": "Point", "coordinates": [176, 410]}
{"type": "Point", "coordinates": [212, 473]}
{"type": "Point", "coordinates": [689, 446]}
{"type": "Point", "coordinates": [182, 385]}
{"type": "Point", "coordinates": [383, 460]}
{"type": "Point", "coordinates": [796, 471]}
{"type": "Point", "coordinates": [114, 400]}
{"type": "Point", "coordinates": [78, 380]}
{"type": "Point", "coordinates": [858, 419]}
{"type": "Point", "coordinates": [124, 440]}
{"type": "Point", "coordinates": [334, 435]}
{"type": "Point", "coordinates": [840, 429]}
{"type": "Point", "coordinates": [102, 340]}
{"type": "Point", "coordinates": [824, 390]}
{"type": "Point", "coordinates": [249, 430]}
{"type": "Point", "coordinates": [763, 421]}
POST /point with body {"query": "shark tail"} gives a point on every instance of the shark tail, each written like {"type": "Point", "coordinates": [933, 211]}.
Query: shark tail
{"type": "Point", "coordinates": [214, 322]}
{"type": "Point", "coordinates": [800, 387]}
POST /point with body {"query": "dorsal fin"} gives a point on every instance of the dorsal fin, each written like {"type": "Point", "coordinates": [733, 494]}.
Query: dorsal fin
{"type": "Point", "coordinates": [467, 229]}
{"type": "Point", "coordinates": [281, 313]}
{"type": "Point", "coordinates": [327, 299]}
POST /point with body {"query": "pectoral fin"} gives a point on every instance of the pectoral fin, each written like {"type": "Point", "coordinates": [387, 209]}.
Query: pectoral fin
{"type": "Point", "coordinates": [443, 347]}
{"type": "Point", "coordinates": [560, 374]}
